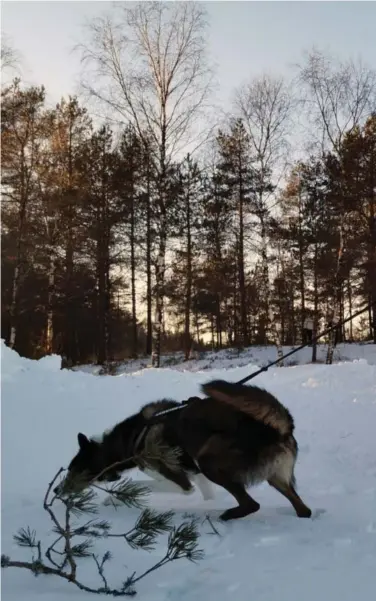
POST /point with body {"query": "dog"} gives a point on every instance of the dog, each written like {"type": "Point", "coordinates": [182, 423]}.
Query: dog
{"type": "Point", "coordinates": [236, 437]}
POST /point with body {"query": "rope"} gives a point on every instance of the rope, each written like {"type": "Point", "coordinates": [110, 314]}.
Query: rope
{"type": "Point", "coordinates": [299, 348]}
{"type": "Point", "coordinates": [266, 367]}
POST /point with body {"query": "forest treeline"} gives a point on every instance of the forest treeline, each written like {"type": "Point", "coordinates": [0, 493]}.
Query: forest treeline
{"type": "Point", "coordinates": [117, 242]}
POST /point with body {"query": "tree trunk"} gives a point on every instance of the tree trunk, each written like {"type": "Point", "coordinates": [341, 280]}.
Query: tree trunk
{"type": "Point", "coordinates": [349, 295]}
{"type": "Point", "coordinates": [161, 260]}
{"type": "Point", "coordinates": [159, 296]}
{"type": "Point", "coordinates": [188, 298]}
{"type": "Point", "coordinates": [197, 324]}
{"type": "Point", "coordinates": [102, 302]}
{"type": "Point", "coordinates": [264, 309]}
{"type": "Point", "coordinates": [243, 299]}
{"type": "Point", "coordinates": [237, 341]}
{"type": "Point", "coordinates": [103, 267]}
{"type": "Point", "coordinates": [278, 343]}
{"type": "Point", "coordinates": [372, 261]}
{"type": "Point", "coordinates": [50, 301]}
{"type": "Point", "coordinates": [315, 306]}
{"type": "Point", "coordinates": [337, 295]}
{"type": "Point", "coordinates": [149, 331]}
{"type": "Point", "coordinates": [133, 272]}
{"type": "Point", "coordinates": [301, 273]}
{"type": "Point", "coordinates": [13, 314]}
{"type": "Point", "coordinates": [69, 334]}
{"type": "Point", "coordinates": [218, 321]}
{"type": "Point", "coordinates": [13, 305]}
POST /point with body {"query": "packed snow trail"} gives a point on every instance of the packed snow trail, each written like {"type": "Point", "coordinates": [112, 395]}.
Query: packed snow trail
{"type": "Point", "coordinates": [269, 556]}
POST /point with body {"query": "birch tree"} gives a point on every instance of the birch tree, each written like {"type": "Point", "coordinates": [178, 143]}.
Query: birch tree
{"type": "Point", "coordinates": [265, 106]}
{"type": "Point", "coordinates": [150, 67]}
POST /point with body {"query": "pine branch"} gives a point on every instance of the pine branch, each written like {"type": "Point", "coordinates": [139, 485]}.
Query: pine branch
{"type": "Point", "coordinates": [148, 527]}
{"type": "Point", "coordinates": [182, 543]}
{"type": "Point", "coordinates": [82, 549]}
{"type": "Point", "coordinates": [214, 529]}
{"type": "Point", "coordinates": [25, 537]}
{"type": "Point", "coordinates": [182, 540]}
{"type": "Point", "coordinates": [93, 529]}
{"type": "Point", "coordinates": [127, 492]}
{"type": "Point", "coordinates": [81, 502]}
{"type": "Point", "coordinates": [40, 568]}
{"type": "Point", "coordinates": [51, 549]}
{"type": "Point", "coordinates": [100, 566]}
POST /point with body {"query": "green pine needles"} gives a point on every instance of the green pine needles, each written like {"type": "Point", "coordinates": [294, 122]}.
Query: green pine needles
{"type": "Point", "coordinates": [76, 537]}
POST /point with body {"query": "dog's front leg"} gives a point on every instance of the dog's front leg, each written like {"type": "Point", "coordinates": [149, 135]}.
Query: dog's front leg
{"type": "Point", "coordinates": [167, 484]}
{"type": "Point", "coordinates": [179, 478]}
{"type": "Point", "coordinates": [206, 487]}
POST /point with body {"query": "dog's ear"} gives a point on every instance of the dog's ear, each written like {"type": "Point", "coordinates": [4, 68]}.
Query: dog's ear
{"type": "Point", "coordinates": [83, 441]}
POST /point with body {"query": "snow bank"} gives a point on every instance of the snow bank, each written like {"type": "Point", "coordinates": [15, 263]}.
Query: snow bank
{"type": "Point", "coordinates": [270, 556]}
{"type": "Point", "coordinates": [253, 358]}
{"type": "Point", "coordinates": [12, 363]}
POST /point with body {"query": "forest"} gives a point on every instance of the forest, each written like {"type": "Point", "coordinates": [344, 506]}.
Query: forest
{"type": "Point", "coordinates": [171, 224]}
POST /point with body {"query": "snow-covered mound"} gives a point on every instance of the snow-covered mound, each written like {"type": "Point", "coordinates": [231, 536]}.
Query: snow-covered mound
{"type": "Point", "coordinates": [269, 556]}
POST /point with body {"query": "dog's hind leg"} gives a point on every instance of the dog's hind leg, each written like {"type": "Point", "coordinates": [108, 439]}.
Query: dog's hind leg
{"type": "Point", "coordinates": [283, 480]}
{"type": "Point", "coordinates": [288, 491]}
{"type": "Point", "coordinates": [217, 465]}
{"type": "Point", "coordinates": [247, 505]}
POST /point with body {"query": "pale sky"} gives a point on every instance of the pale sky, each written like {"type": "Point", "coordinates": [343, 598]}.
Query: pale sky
{"type": "Point", "coordinates": [246, 38]}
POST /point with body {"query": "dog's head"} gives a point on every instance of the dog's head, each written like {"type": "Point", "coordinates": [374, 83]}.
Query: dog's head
{"type": "Point", "coordinates": [86, 467]}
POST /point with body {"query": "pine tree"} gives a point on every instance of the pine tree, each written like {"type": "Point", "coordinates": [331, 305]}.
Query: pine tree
{"type": "Point", "coordinates": [236, 180]}
{"type": "Point", "coordinates": [22, 132]}
{"type": "Point", "coordinates": [71, 129]}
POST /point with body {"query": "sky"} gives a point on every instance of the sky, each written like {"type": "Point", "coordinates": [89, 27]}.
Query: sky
{"type": "Point", "coordinates": [245, 38]}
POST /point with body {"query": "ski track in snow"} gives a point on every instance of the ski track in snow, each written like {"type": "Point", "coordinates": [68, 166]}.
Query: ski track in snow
{"type": "Point", "coordinates": [269, 556]}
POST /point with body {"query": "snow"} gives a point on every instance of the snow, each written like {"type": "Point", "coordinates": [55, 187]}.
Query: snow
{"type": "Point", "coordinates": [269, 556]}
{"type": "Point", "coordinates": [252, 356]}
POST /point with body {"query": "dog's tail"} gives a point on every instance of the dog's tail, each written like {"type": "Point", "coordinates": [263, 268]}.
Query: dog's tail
{"type": "Point", "coordinates": [255, 402]}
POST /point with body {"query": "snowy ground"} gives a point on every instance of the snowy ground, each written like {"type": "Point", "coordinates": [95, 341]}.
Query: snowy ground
{"type": "Point", "coordinates": [270, 556]}
{"type": "Point", "coordinates": [230, 358]}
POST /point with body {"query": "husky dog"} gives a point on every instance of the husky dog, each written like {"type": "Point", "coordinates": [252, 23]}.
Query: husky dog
{"type": "Point", "coordinates": [236, 437]}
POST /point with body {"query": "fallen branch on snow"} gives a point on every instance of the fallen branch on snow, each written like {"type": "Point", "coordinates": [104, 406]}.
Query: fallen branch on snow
{"type": "Point", "coordinates": [182, 540]}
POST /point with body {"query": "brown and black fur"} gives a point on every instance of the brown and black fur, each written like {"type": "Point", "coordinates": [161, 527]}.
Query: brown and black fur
{"type": "Point", "coordinates": [238, 436]}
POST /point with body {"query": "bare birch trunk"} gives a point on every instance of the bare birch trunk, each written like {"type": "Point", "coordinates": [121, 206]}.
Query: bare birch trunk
{"type": "Point", "coordinates": [133, 275]}
{"type": "Point", "coordinates": [337, 296]}
{"type": "Point", "coordinates": [50, 314]}
{"type": "Point", "coordinates": [188, 298]}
